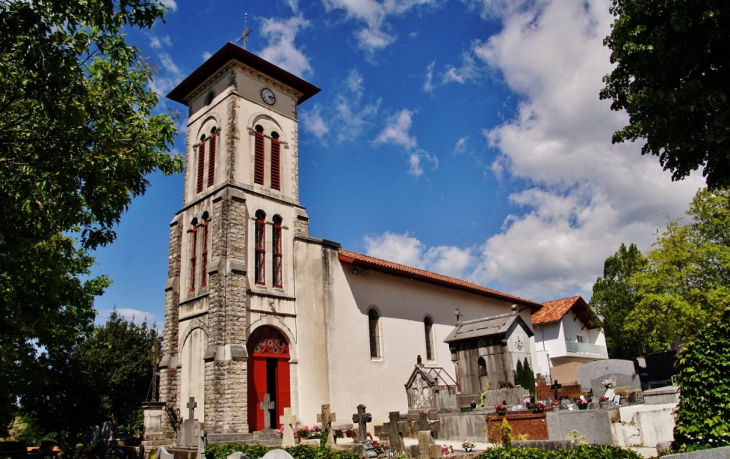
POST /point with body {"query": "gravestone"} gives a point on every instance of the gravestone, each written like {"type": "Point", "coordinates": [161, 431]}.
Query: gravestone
{"type": "Point", "coordinates": [277, 454]}
{"type": "Point", "coordinates": [586, 373]}
{"type": "Point", "coordinates": [237, 455]}
{"type": "Point", "coordinates": [621, 381]}
{"type": "Point", "coordinates": [395, 431]}
{"type": "Point", "coordinates": [326, 419]}
{"type": "Point", "coordinates": [201, 445]}
{"type": "Point", "coordinates": [107, 431]}
{"type": "Point", "coordinates": [423, 424]}
{"type": "Point", "coordinates": [92, 435]}
{"type": "Point", "coordinates": [267, 405]}
{"type": "Point", "coordinates": [162, 453]}
{"type": "Point", "coordinates": [425, 445]}
{"type": "Point", "coordinates": [189, 431]}
{"type": "Point", "coordinates": [289, 422]}
{"type": "Point", "coordinates": [361, 419]}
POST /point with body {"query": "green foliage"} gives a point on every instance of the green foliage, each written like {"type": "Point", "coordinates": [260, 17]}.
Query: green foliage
{"type": "Point", "coordinates": [528, 378]}
{"type": "Point", "coordinates": [703, 376]}
{"type": "Point", "coordinates": [673, 79]}
{"type": "Point", "coordinates": [23, 429]}
{"type": "Point", "coordinates": [107, 375]}
{"type": "Point", "coordinates": [257, 451]}
{"type": "Point", "coordinates": [519, 374]}
{"type": "Point", "coordinates": [573, 436]}
{"type": "Point", "coordinates": [580, 452]}
{"type": "Point", "coordinates": [77, 138]}
{"type": "Point", "coordinates": [505, 434]}
{"type": "Point", "coordinates": [615, 297]}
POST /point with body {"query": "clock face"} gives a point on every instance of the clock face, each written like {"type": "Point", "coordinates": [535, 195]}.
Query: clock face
{"type": "Point", "coordinates": [268, 96]}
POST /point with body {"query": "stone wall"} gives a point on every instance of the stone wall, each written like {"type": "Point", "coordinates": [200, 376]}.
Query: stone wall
{"type": "Point", "coordinates": [523, 423]}
{"type": "Point", "coordinates": [594, 424]}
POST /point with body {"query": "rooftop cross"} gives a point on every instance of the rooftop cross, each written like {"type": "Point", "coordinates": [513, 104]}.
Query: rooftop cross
{"type": "Point", "coordinates": [246, 31]}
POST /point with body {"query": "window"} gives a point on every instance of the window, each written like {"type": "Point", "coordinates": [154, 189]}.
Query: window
{"type": "Point", "coordinates": [258, 169]}
{"type": "Point", "coordinates": [193, 253]}
{"type": "Point", "coordinates": [260, 248]}
{"type": "Point", "coordinates": [374, 325]}
{"type": "Point", "coordinates": [580, 338]}
{"type": "Point", "coordinates": [482, 366]}
{"type": "Point", "coordinates": [275, 161]}
{"type": "Point", "coordinates": [209, 98]}
{"type": "Point", "coordinates": [276, 247]}
{"type": "Point", "coordinates": [201, 164]}
{"type": "Point", "coordinates": [204, 255]}
{"type": "Point", "coordinates": [428, 328]}
{"type": "Point", "coordinates": [211, 158]}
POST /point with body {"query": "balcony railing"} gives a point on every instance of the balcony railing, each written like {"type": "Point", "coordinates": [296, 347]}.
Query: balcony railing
{"type": "Point", "coordinates": [585, 348]}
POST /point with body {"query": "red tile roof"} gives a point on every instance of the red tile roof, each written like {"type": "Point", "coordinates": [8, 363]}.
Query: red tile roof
{"type": "Point", "coordinates": [397, 269]}
{"type": "Point", "coordinates": [553, 311]}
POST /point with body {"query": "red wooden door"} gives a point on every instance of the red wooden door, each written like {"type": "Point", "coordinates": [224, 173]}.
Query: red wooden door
{"type": "Point", "coordinates": [267, 349]}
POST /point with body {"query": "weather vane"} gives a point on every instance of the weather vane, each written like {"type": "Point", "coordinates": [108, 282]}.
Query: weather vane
{"type": "Point", "coordinates": [246, 31]}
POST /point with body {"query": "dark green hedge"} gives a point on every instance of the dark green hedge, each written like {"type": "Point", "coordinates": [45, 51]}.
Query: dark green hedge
{"type": "Point", "coordinates": [308, 452]}
{"type": "Point", "coordinates": [256, 451]}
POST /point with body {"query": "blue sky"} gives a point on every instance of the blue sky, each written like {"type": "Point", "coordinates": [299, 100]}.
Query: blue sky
{"type": "Point", "coordinates": [464, 137]}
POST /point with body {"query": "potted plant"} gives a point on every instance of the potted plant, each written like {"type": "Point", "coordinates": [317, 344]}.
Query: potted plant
{"type": "Point", "coordinates": [582, 404]}
{"type": "Point", "coordinates": [466, 408]}
{"type": "Point", "coordinates": [602, 401]}
{"type": "Point", "coordinates": [468, 446]}
{"type": "Point", "coordinates": [538, 407]}
{"type": "Point", "coordinates": [622, 393]}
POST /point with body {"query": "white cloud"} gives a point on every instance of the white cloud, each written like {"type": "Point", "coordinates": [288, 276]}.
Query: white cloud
{"type": "Point", "coordinates": [460, 146]}
{"type": "Point", "coordinates": [406, 249]}
{"type": "Point", "coordinates": [578, 196]}
{"type": "Point", "coordinates": [428, 84]}
{"type": "Point", "coordinates": [396, 131]}
{"type": "Point", "coordinates": [159, 42]}
{"type": "Point", "coordinates": [414, 160]}
{"type": "Point", "coordinates": [314, 122]}
{"type": "Point", "coordinates": [168, 74]}
{"type": "Point", "coordinates": [374, 35]}
{"type": "Point", "coordinates": [170, 4]}
{"type": "Point", "coordinates": [294, 5]}
{"type": "Point", "coordinates": [206, 55]}
{"type": "Point", "coordinates": [468, 71]}
{"type": "Point", "coordinates": [281, 49]}
{"type": "Point", "coordinates": [131, 315]}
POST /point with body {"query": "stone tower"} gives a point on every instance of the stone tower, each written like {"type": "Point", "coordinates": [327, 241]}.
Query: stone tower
{"type": "Point", "coordinates": [231, 248]}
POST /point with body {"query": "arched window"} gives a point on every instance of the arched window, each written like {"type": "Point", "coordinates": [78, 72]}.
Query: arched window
{"type": "Point", "coordinates": [428, 328]}
{"type": "Point", "coordinates": [482, 366]}
{"type": "Point", "coordinates": [193, 253]}
{"type": "Point", "coordinates": [211, 157]}
{"type": "Point", "coordinates": [277, 274]}
{"type": "Point", "coordinates": [275, 161]}
{"type": "Point", "coordinates": [204, 253]}
{"type": "Point", "coordinates": [374, 325]}
{"type": "Point", "coordinates": [260, 235]}
{"type": "Point", "coordinates": [258, 169]}
{"type": "Point", "coordinates": [201, 164]}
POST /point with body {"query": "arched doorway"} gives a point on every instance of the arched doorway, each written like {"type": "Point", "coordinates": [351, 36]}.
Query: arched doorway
{"type": "Point", "coordinates": [268, 373]}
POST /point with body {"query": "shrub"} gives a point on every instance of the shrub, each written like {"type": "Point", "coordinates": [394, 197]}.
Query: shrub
{"type": "Point", "coordinates": [257, 451]}
{"type": "Point", "coordinates": [580, 452]}
{"type": "Point", "coordinates": [506, 434]}
{"type": "Point", "coordinates": [703, 377]}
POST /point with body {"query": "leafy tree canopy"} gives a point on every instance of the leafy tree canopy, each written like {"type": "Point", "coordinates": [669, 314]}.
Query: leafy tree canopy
{"type": "Point", "coordinates": [615, 297]}
{"type": "Point", "coordinates": [673, 79]}
{"type": "Point", "coordinates": [106, 375]}
{"type": "Point", "coordinates": [77, 138]}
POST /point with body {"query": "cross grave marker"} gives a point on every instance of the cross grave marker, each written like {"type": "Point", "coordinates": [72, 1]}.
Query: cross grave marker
{"type": "Point", "coordinates": [396, 429]}
{"type": "Point", "coordinates": [362, 418]}
{"type": "Point", "coordinates": [192, 404]}
{"type": "Point", "coordinates": [290, 421]}
{"type": "Point", "coordinates": [267, 405]}
{"type": "Point", "coordinates": [326, 419]}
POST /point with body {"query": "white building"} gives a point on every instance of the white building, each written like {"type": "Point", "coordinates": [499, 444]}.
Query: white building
{"type": "Point", "coordinates": [567, 335]}
{"type": "Point", "coordinates": [256, 308]}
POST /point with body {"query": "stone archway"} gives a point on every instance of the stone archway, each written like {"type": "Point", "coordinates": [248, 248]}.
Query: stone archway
{"type": "Point", "coordinates": [268, 373]}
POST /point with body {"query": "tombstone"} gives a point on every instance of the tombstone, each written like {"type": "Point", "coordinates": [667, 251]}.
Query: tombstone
{"type": "Point", "coordinates": [361, 419]}
{"type": "Point", "coordinates": [620, 382]}
{"type": "Point", "coordinates": [289, 421]}
{"type": "Point", "coordinates": [277, 454]}
{"type": "Point", "coordinates": [107, 431]}
{"type": "Point", "coordinates": [237, 455]}
{"type": "Point", "coordinates": [92, 435]}
{"type": "Point", "coordinates": [425, 443]}
{"type": "Point", "coordinates": [586, 373]}
{"type": "Point", "coordinates": [201, 445]}
{"type": "Point", "coordinates": [326, 419]}
{"type": "Point", "coordinates": [189, 432]}
{"type": "Point", "coordinates": [162, 453]}
{"type": "Point", "coordinates": [395, 431]}
{"type": "Point", "coordinates": [267, 405]}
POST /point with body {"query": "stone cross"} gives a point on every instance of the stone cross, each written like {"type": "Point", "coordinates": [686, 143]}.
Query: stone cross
{"type": "Point", "coordinates": [326, 419]}
{"type": "Point", "coordinates": [362, 418]}
{"type": "Point", "coordinates": [424, 425]}
{"type": "Point", "coordinates": [192, 404]}
{"type": "Point", "coordinates": [396, 429]}
{"type": "Point", "coordinates": [290, 421]}
{"type": "Point", "coordinates": [426, 445]}
{"type": "Point", "coordinates": [267, 405]}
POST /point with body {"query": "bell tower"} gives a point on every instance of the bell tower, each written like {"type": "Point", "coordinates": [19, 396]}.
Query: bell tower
{"type": "Point", "coordinates": [230, 273]}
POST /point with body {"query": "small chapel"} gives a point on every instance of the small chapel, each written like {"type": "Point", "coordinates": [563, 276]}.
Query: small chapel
{"type": "Point", "coordinates": [261, 316]}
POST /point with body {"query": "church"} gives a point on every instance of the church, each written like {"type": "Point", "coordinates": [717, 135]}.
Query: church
{"type": "Point", "coordinates": [257, 309]}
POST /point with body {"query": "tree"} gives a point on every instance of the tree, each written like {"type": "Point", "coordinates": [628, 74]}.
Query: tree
{"type": "Point", "coordinates": [106, 375]}
{"type": "Point", "coordinates": [77, 138]}
{"type": "Point", "coordinates": [673, 79]}
{"type": "Point", "coordinates": [688, 276]}
{"type": "Point", "coordinates": [528, 378]}
{"type": "Point", "coordinates": [614, 299]}
{"type": "Point", "coordinates": [519, 374]}
{"type": "Point", "coordinates": [703, 376]}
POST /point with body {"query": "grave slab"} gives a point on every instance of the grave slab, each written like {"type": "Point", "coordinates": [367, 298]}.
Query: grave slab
{"type": "Point", "coordinates": [593, 370]}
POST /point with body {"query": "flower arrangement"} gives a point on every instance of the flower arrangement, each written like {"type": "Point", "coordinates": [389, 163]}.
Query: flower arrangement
{"type": "Point", "coordinates": [468, 446]}
{"type": "Point", "coordinates": [309, 431]}
{"type": "Point", "coordinates": [502, 409]}
{"type": "Point", "coordinates": [602, 399]}
{"type": "Point", "coordinates": [378, 448]}
{"type": "Point", "coordinates": [538, 407]}
{"type": "Point", "coordinates": [607, 383]}
{"type": "Point", "coordinates": [447, 450]}
{"type": "Point", "coordinates": [581, 401]}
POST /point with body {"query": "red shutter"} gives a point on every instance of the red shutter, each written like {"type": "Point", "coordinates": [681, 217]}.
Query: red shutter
{"type": "Point", "coordinates": [275, 164]}
{"type": "Point", "coordinates": [201, 166]}
{"type": "Point", "coordinates": [211, 160]}
{"type": "Point", "coordinates": [258, 170]}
